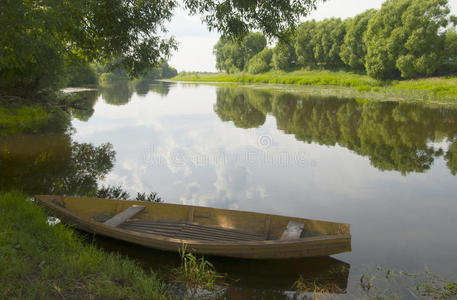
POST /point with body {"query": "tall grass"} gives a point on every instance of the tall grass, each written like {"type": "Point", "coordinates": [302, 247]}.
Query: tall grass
{"type": "Point", "coordinates": [301, 77]}
{"type": "Point", "coordinates": [438, 86]}
{"type": "Point", "coordinates": [198, 276]}
{"type": "Point", "coordinates": [39, 261]}
{"type": "Point", "coordinates": [442, 88]}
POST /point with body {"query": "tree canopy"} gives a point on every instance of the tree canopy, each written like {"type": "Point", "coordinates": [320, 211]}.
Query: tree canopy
{"type": "Point", "coordinates": [354, 49]}
{"type": "Point", "coordinates": [405, 38]}
{"type": "Point", "coordinates": [232, 55]}
{"type": "Point", "coordinates": [261, 62]}
{"type": "Point", "coordinates": [39, 37]}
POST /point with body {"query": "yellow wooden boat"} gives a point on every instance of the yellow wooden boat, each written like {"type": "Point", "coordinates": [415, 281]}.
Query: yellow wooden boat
{"type": "Point", "coordinates": [205, 230]}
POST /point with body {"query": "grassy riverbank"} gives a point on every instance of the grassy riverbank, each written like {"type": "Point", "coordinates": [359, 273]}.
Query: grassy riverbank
{"type": "Point", "coordinates": [439, 88]}
{"type": "Point", "coordinates": [49, 262]}
{"type": "Point", "coordinates": [15, 119]}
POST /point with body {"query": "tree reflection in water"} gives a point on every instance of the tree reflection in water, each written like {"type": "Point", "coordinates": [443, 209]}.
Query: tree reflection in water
{"type": "Point", "coordinates": [117, 93]}
{"type": "Point", "coordinates": [45, 160]}
{"type": "Point", "coordinates": [83, 109]}
{"type": "Point", "coordinates": [160, 87]}
{"type": "Point", "coordinates": [394, 136]}
{"type": "Point", "coordinates": [121, 92]}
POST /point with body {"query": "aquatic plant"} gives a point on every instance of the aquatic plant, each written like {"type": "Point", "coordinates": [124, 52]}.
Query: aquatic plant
{"type": "Point", "coordinates": [314, 289]}
{"type": "Point", "coordinates": [385, 283]}
{"type": "Point", "coordinates": [198, 276]}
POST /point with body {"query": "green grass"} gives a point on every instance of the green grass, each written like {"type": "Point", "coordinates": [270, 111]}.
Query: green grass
{"type": "Point", "coordinates": [51, 262]}
{"type": "Point", "coordinates": [438, 86]}
{"type": "Point", "coordinates": [198, 276]}
{"type": "Point", "coordinates": [438, 89]}
{"type": "Point", "coordinates": [301, 77]}
{"type": "Point", "coordinates": [17, 119]}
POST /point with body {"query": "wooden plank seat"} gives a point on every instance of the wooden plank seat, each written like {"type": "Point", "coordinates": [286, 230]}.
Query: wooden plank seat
{"type": "Point", "coordinates": [293, 231]}
{"type": "Point", "coordinates": [188, 231]}
{"type": "Point", "coordinates": [124, 215]}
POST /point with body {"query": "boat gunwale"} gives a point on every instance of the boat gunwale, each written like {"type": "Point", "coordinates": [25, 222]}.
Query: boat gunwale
{"type": "Point", "coordinates": [81, 220]}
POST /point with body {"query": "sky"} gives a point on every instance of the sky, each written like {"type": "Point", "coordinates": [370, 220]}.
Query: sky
{"type": "Point", "coordinates": [196, 42]}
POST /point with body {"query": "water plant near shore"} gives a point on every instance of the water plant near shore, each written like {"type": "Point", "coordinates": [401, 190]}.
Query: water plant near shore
{"type": "Point", "coordinates": [198, 276]}
{"type": "Point", "coordinates": [386, 283]}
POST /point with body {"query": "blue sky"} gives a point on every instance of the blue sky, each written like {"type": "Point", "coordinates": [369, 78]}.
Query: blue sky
{"type": "Point", "coordinates": [196, 42]}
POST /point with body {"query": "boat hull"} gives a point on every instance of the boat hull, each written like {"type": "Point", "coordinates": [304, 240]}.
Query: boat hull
{"type": "Point", "coordinates": [266, 249]}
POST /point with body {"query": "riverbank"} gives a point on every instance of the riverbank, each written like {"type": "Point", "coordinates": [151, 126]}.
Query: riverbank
{"type": "Point", "coordinates": [50, 262]}
{"type": "Point", "coordinates": [437, 89]}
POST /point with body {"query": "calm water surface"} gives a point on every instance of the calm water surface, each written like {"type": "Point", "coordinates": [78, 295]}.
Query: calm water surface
{"type": "Point", "coordinates": [386, 168]}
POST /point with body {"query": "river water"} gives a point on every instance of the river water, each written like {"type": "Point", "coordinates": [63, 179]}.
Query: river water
{"type": "Point", "coordinates": [388, 169]}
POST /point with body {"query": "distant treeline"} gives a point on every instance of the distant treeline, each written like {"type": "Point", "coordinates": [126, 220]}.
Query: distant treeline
{"type": "Point", "coordinates": [91, 73]}
{"type": "Point", "coordinates": [405, 38]}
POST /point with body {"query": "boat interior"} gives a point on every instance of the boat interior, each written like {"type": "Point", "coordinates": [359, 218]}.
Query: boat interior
{"type": "Point", "coordinates": [195, 222]}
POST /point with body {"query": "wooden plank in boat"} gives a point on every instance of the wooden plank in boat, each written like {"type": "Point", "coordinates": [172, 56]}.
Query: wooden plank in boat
{"type": "Point", "coordinates": [208, 228]}
{"type": "Point", "coordinates": [189, 231]}
{"type": "Point", "coordinates": [124, 216]}
{"type": "Point", "coordinates": [293, 231]}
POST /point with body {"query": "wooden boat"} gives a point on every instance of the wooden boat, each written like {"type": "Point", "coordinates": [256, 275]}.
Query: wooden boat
{"type": "Point", "coordinates": [205, 230]}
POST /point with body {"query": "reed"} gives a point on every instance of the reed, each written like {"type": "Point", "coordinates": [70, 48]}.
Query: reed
{"type": "Point", "coordinates": [198, 276]}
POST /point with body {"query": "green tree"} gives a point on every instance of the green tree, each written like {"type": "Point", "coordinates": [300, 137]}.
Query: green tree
{"type": "Point", "coordinates": [329, 36]}
{"type": "Point", "coordinates": [168, 71]}
{"type": "Point", "coordinates": [284, 57]}
{"type": "Point", "coordinates": [261, 62]}
{"type": "Point", "coordinates": [405, 38]}
{"type": "Point", "coordinates": [81, 74]}
{"type": "Point", "coordinates": [253, 43]}
{"type": "Point", "coordinates": [450, 48]}
{"type": "Point", "coordinates": [305, 43]}
{"type": "Point", "coordinates": [232, 55]}
{"type": "Point", "coordinates": [38, 37]}
{"type": "Point", "coordinates": [354, 50]}
{"type": "Point", "coordinates": [162, 71]}
{"type": "Point", "coordinates": [229, 56]}
{"type": "Point", "coordinates": [239, 17]}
